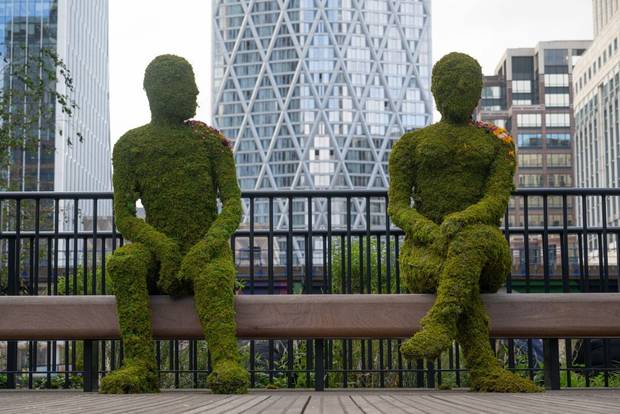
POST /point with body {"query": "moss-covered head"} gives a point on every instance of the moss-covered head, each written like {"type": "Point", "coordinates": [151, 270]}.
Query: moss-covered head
{"type": "Point", "coordinates": [171, 89]}
{"type": "Point", "coordinates": [457, 86]}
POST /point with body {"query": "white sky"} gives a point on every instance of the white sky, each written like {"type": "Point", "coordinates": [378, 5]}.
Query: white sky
{"type": "Point", "coordinates": [143, 29]}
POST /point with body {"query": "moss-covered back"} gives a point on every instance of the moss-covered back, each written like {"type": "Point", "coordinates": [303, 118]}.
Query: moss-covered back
{"type": "Point", "coordinates": [459, 176]}
{"type": "Point", "coordinates": [178, 170]}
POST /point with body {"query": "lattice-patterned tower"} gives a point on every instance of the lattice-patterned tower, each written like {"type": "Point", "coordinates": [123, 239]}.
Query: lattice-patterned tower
{"type": "Point", "coordinates": [315, 92]}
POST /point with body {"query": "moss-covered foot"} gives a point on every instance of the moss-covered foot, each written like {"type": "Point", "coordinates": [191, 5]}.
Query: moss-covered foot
{"type": "Point", "coordinates": [228, 377]}
{"type": "Point", "coordinates": [500, 380]}
{"type": "Point", "coordinates": [133, 378]}
{"type": "Point", "coordinates": [429, 343]}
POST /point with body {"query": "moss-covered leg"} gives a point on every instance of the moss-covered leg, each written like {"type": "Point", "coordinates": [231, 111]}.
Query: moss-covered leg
{"type": "Point", "coordinates": [214, 297]}
{"type": "Point", "coordinates": [457, 284]}
{"type": "Point", "coordinates": [485, 372]}
{"type": "Point", "coordinates": [129, 269]}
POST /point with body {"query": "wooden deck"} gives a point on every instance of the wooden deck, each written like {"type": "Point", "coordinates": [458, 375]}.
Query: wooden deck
{"type": "Point", "coordinates": [331, 402]}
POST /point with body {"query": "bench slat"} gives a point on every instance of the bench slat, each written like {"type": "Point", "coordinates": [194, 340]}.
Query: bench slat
{"type": "Point", "coordinates": [311, 316]}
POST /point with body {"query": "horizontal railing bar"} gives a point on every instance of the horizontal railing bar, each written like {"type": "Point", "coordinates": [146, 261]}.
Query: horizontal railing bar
{"type": "Point", "coordinates": [303, 232]}
{"type": "Point", "coordinates": [545, 315]}
{"type": "Point", "coordinates": [27, 195]}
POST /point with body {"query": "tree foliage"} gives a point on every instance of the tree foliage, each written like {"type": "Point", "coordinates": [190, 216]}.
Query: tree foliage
{"type": "Point", "coordinates": [30, 98]}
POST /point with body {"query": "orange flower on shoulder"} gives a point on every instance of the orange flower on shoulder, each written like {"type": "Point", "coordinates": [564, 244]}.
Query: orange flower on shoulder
{"type": "Point", "coordinates": [498, 132]}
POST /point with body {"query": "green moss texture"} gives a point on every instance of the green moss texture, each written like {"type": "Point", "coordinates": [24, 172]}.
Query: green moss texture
{"type": "Point", "coordinates": [177, 169]}
{"type": "Point", "coordinates": [459, 177]}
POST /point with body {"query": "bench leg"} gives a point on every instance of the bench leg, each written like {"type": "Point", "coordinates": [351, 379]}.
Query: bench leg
{"type": "Point", "coordinates": [91, 367]}
{"type": "Point", "coordinates": [551, 351]}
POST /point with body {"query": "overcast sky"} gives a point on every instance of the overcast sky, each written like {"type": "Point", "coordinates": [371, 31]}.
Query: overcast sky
{"type": "Point", "coordinates": [143, 29]}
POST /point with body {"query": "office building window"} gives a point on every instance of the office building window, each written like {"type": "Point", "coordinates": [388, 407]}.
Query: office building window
{"type": "Point", "coordinates": [556, 80]}
{"type": "Point", "coordinates": [530, 161]}
{"type": "Point", "coordinates": [491, 92]}
{"type": "Point", "coordinates": [521, 86]}
{"type": "Point", "coordinates": [529, 140]}
{"type": "Point", "coordinates": [560, 180]}
{"type": "Point", "coordinates": [557, 100]}
{"type": "Point", "coordinates": [521, 102]}
{"type": "Point", "coordinates": [559, 160]}
{"type": "Point", "coordinates": [529, 120]}
{"type": "Point", "coordinates": [558, 140]}
{"type": "Point", "coordinates": [530, 180]}
{"type": "Point", "coordinates": [556, 57]}
{"type": "Point", "coordinates": [557, 120]}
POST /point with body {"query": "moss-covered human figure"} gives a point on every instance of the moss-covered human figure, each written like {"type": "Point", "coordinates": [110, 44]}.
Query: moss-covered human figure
{"type": "Point", "coordinates": [459, 177]}
{"type": "Point", "coordinates": [177, 168]}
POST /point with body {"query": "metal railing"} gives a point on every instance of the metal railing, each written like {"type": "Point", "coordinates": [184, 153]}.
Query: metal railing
{"type": "Point", "coordinates": [562, 240]}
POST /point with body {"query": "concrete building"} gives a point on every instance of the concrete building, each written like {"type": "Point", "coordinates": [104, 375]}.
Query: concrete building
{"type": "Point", "coordinates": [596, 83]}
{"type": "Point", "coordinates": [314, 94]}
{"type": "Point", "coordinates": [77, 31]}
{"type": "Point", "coordinates": [530, 95]}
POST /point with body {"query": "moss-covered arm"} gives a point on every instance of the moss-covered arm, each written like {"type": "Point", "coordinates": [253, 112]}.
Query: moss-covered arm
{"type": "Point", "coordinates": [165, 250]}
{"type": "Point", "coordinates": [228, 220]}
{"type": "Point", "coordinates": [217, 239]}
{"type": "Point", "coordinates": [402, 180]}
{"type": "Point", "coordinates": [491, 208]}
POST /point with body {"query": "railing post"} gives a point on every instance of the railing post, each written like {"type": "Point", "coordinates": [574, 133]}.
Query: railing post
{"type": "Point", "coordinates": [11, 347]}
{"type": "Point", "coordinates": [430, 373]}
{"type": "Point", "coordinates": [319, 365]}
{"type": "Point", "coordinates": [551, 351]}
{"type": "Point", "coordinates": [91, 367]}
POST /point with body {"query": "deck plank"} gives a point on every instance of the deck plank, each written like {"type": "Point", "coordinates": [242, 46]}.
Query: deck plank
{"type": "Point", "coordinates": [299, 402]}
{"type": "Point", "coordinates": [332, 403]}
{"type": "Point", "coordinates": [281, 404]}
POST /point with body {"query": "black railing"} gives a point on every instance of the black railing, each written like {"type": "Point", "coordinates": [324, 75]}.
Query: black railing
{"type": "Point", "coordinates": [563, 240]}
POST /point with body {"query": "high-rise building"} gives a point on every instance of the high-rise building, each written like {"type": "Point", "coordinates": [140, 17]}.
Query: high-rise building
{"type": "Point", "coordinates": [314, 93]}
{"type": "Point", "coordinates": [596, 83]}
{"type": "Point", "coordinates": [603, 13]}
{"type": "Point", "coordinates": [77, 31]}
{"type": "Point", "coordinates": [530, 95]}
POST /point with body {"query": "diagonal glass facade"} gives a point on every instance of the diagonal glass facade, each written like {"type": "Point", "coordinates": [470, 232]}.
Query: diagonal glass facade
{"type": "Point", "coordinates": [315, 92]}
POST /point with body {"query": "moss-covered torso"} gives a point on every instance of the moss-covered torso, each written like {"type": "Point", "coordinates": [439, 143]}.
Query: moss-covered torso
{"type": "Point", "coordinates": [175, 178]}
{"type": "Point", "coordinates": [451, 164]}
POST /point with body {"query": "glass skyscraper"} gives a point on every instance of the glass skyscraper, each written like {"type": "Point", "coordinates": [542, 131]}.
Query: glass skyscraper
{"type": "Point", "coordinates": [314, 93]}
{"type": "Point", "coordinates": [77, 31]}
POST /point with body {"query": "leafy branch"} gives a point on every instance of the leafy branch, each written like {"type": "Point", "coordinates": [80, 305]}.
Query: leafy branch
{"type": "Point", "coordinates": [30, 98]}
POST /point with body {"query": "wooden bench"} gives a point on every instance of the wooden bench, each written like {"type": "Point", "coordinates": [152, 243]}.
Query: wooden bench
{"type": "Point", "coordinates": [90, 318]}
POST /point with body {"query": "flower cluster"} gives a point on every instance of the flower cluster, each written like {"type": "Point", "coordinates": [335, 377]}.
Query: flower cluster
{"type": "Point", "coordinates": [201, 127]}
{"type": "Point", "coordinates": [498, 132]}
